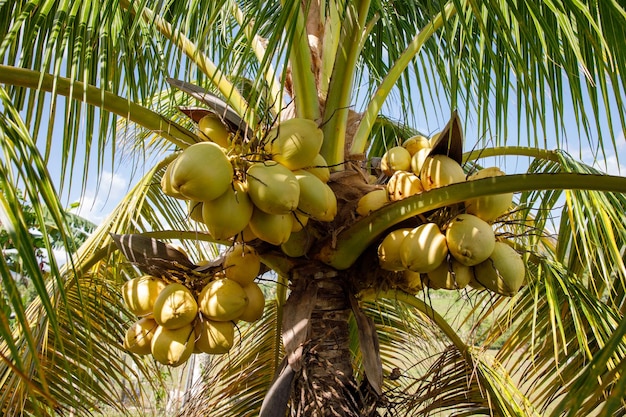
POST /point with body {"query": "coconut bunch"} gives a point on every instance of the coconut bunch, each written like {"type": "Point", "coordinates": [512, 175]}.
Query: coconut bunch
{"type": "Point", "coordinates": [263, 189]}
{"type": "Point", "coordinates": [175, 321]}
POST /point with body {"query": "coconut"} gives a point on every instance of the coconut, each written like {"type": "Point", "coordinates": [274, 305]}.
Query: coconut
{"type": "Point", "coordinates": [242, 264]}
{"type": "Point", "coordinates": [172, 346]}
{"type": "Point", "coordinates": [317, 199]}
{"type": "Point", "coordinates": [166, 182]}
{"type": "Point", "coordinates": [273, 188]}
{"type": "Point", "coordinates": [202, 172]}
{"type": "Point", "coordinates": [470, 239]}
{"type": "Point", "coordinates": [403, 184]}
{"type": "Point", "coordinates": [503, 272]}
{"type": "Point", "coordinates": [424, 248]}
{"type": "Point", "coordinates": [412, 281]}
{"type": "Point", "coordinates": [139, 335]}
{"type": "Point", "coordinates": [214, 337]}
{"type": "Point", "coordinates": [294, 143]}
{"type": "Point", "coordinates": [246, 235]}
{"type": "Point", "coordinates": [213, 129]}
{"type": "Point", "coordinates": [389, 250]}
{"type": "Point", "coordinates": [175, 306]}
{"type": "Point", "coordinates": [395, 159]}
{"type": "Point", "coordinates": [222, 300]}
{"type": "Point", "coordinates": [299, 221]}
{"type": "Point", "coordinates": [450, 275]}
{"type": "Point", "coordinates": [417, 160]}
{"type": "Point", "coordinates": [372, 201]}
{"type": "Point", "coordinates": [416, 143]}
{"type": "Point", "coordinates": [440, 170]}
{"type": "Point", "coordinates": [195, 211]}
{"type": "Point", "coordinates": [228, 214]}
{"type": "Point", "coordinates": [319, 168]}
{"type": "Point", "coordinates": [298, 244]}
{"type": "Point", "coordinates": [140, 293]}
{"type": "Point", "coordinates": [488, 207]}
{"type": "Point", "coordinates": [271, 228]}
{"type": "Point", "coordinates": [256, 303]}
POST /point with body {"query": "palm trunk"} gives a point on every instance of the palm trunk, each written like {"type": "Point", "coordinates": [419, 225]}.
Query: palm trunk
{"type": "Point", "coordinates": [325, 384]}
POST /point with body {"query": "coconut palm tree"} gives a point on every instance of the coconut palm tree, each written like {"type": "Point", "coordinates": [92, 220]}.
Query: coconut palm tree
{"type": "Point", "coordinates": [88, 84]}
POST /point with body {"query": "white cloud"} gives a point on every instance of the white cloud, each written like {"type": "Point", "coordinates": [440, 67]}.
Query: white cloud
{"type": "Point", "coordinates": [97, 206]}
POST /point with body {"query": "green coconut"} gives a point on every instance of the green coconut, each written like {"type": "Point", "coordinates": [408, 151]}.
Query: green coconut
{"type": "Point", "coordinates": [319, 168]}
{"type": "Point", "coordinates": [273, 188]}
{"type": "Point", "coordinates": [166, 182]}
{"type": "Point", "coordinates": [222, 300]}
{"type": "Point", "coordinates": [214, 337]}
{"type": "Point", "coordinates": [299, 221]}
{"type": "Point", "coordinates": [298, 244]}
{"type": "Point", "coordinates": [195, 211]}
{"type": "Point", "coordinates": [470, 239]}
{"type": "Point", "coordinates": [317, 200]}
{"type": "Point", "coordinates": [213, 129]}
{"type": "Point", "coordinates": [139, 336]}
{"type": "Point", "coordinates": [424, 248]}
{"type": "Point", "coordinates": [140, 293]}
{"type": "Point", "coordinates": [172, 347]}
{"type": "Point", "coordinates": [503, 272]}
{"type": "Point", "coordinates": [450, 275]}
{"type": "Point", "coordinates": [175, 306]}
{"type": "Point", "coordinates": [228, 214]}
{"type": "Point", "coordinates": [271, 228]}
{"type": "Point", "coordinates": [488, 207]}
{"type": "Point", "coordinates": [256, 303]}
{"type": "Point", "coordinates": [372, 201]}
{"type": "Point", "coordinates": [202, 172]}
{"type": "Point", "coordinates": [389, 250]}
{"type": "Point", "coordinates": [403, 184]}
{"type": "Point", "coordinates": [242, 264]}
{"type": "Point", "coordinates": [294, 143]}
{"type": "Point", "coordinates": [395, 159]}
{"type": "Point", "coordinates": [440, 170]}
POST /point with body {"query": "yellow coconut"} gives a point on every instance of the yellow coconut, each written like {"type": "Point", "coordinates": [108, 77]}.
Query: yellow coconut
{"type": "Point", "coordinates": [172, 347]}
{"type": "Point", "coordinates": [299, 221]}
{"type": "Point", "coordinates": [166, 182]}
{"type": "Point", "coordinates": [256, 303]}
{"type": "Point", "coordinates": [395, 159]}
{"type": "Point", "coordinates": [175, 306]}
{"type": "Point", "coordinates": [294, 143]}
{"type": "Point", "coordinates": [246, 235]}
{"type": "Point", "coordinates": [222, 300]}
{"type": "Point", "coordinates": [271, 228]}
{"type": "Point", "coordinates": [228, 214]}
{"type": "Point", "coordinates": [273, 188]}
{"type": "Point", "coordinates": [319, 168]}
{"type": "Point", "coordinates": [450, 275]}
{"type": "Point", "coordinates": [140, 293]}
{"type": "Point", "coordinates": [139, 335]}
{"type": "Point", "coordinates": [195, 211]}
{"type": "Point", "coordinates": [415, 143]}
{"type": "Point", "coordinates": [214, 337]}
{"type": "Point", "coordinates": [317, 200]}
{"type": "Point", "coordinates": [433, 139]}
{"type": "Point", "coordinates": [202, 172]}
{"type": "Point", "coordinates": [242, 264]}
{"type": "Point", "coordinates": [417, 160]}
{"type": "Point", "coordinates": [298, 243]}
{"type": "Point", "coordinates": [424, 248]}
{"type": "Point", "coordinates": [489, 207]}
{"type": "Point", "coordinates": [503, 272]}
{"type": "Point", "coordinates": [440, 170]}
{"type": "Point", "coordinates": [389, 250]}
{"type": "Point", "coordinates": [372, 201]}
{"type": "Point", "coordinates": [213, 129]}
{"type": "Point", "coordinates": [403, 184]}
{"type": "Point", "coordinates": [470, 239]}
{"type": "Point", "coordinates": [412, 281]}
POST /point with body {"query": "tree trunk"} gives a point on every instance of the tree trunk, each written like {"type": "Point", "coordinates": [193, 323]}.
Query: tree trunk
{"type": "Point", "coordinates": [325, 384]}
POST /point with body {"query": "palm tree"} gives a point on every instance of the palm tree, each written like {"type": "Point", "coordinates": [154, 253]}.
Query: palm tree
{"type": "Point", "coordinates": [340, 335]}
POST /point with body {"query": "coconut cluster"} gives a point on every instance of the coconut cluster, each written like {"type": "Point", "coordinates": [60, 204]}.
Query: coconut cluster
{"type": "Point", "coordinates": [263, 189]}
{"type": "Point", "coordinates": [175, 321]}
{"type": "Point", "coordinates": [455, 250]}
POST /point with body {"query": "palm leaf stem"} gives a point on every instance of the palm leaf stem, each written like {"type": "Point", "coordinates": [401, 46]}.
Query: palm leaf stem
{"type": "Point", "coordinates": [341, 83]}
{"type": "Point", "coordinates": [330, 44]}
{"type": "Point", "coordinates": [551, 155]}
{"type": "Point", "coordinates": [305, 90]}
{"type": "Point", "coordinates": [360, 141]}
{"type": "Point", "coordinates": [354, 240]}
{"type": "Point", "coordinates": [95, 96]}
{"type": "Point", "coordinates": [208, 67]}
